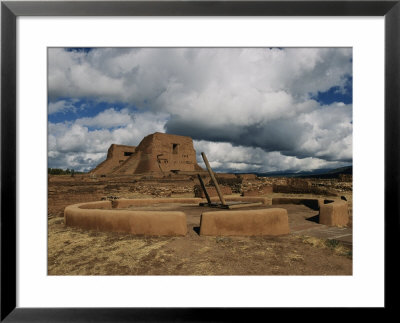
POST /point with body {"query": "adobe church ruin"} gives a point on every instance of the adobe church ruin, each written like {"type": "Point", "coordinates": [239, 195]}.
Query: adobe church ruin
{"type": "Point", "coordinates": [156, 153]}
{"type": "Point", "coordinates": [116, 155]}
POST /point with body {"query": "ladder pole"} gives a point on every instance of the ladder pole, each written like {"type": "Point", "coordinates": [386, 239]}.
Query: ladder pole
{"type": "Point", "coordinates": [221, 197]}
{"type": "Point", "coordinates": [204, 189]}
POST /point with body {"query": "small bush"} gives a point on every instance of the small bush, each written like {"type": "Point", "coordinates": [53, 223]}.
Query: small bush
{"type": "Point", "coordinates": [59, 171]}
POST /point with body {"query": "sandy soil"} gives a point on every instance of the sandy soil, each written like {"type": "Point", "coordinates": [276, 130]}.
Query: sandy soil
{"type": "Point", "coordinates": [73, 251]}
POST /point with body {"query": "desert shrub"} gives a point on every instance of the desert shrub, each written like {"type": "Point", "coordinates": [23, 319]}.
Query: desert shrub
{"type": "Point", "coordinates": [60, 171]}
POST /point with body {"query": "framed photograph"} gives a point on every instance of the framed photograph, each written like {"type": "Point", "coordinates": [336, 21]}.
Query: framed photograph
{"type": "Point", "coordinates": [107, 105]}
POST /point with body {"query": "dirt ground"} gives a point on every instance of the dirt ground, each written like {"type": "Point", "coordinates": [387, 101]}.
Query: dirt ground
{"type": "Point", "coordinates": [73, 251]}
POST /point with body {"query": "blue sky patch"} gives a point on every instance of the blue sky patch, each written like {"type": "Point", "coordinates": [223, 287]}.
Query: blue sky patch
{"type": "Point", "coordinates": [79, 49]}
{"type": "Point", "coordinates": [84, 109]}
{"type": "Point", "coordinates": [336, 94]}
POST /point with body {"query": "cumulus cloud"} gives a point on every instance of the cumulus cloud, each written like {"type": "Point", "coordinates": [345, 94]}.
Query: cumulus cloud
{"type": "Point", "coordinates": [226, 157]}
{"type": "Point", "coordinates": [61, 106]}
{"type": "Point", "coordinates": [259, 101]}
{"type": "Point", "coordinates": [75, 145]}
{"type": "Point", "coordinates": [108, 119]}
{"type": "Point", "coordinates": [152, 77]}
{"type": "Point", "coordinates": [325, 132]}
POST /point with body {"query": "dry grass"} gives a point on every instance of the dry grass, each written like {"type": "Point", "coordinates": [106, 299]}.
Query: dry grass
{"type": "Point", "coordinates": [334, 245]}
{"type": "Point", "coordinates": [76, 252]}
{"type": "Point", "coordinates": [73, 251]}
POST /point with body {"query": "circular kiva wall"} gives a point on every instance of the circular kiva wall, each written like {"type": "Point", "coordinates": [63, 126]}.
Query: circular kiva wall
{"type": "Point", "coordinates": [259, 222]}
{"type": "Point", "coordinates": [103, 216]}
{"type": "Point", "coordinates": [115, 217]}
{"type": "Point", "coordinates": [111, 216]}
{"type": "Point", "coordinates": [331, 212]}
{"type": "Point", "coordinates": [239, 222]}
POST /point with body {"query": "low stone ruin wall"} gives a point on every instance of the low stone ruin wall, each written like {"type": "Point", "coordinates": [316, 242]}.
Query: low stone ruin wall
{"type": "Point", "coordinates": [245, 223]}
{"type": "Point", "coordinates": [234, 182]}
{"type": "Point", "coordinates": [247, 176]}
{"type": "Point", "coordinates": [258, 191]}
{"type": "Point", "coordinates": [198, 191]}
{"type": "Point", "coordinates": [291, 189]}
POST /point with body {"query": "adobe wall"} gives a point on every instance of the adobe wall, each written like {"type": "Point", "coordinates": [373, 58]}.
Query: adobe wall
{"type": "Point", "coordinates": [99, 216]}
{"type": "Point", "coordinates": [334, 214]}
{"type": "Point", "coordinates": [116, 156]}
{"type": "Point", "coordinates": [130, 165]}
{"type": "Point", "coordinates": [331, 212]}
{"type": "Point", "coordinates": [250, 199]}
{"type": "Point", "coordinates": [125, 203]}
{"type": "Point", "coordinates": [245, 222]}
{"type": "Point", "coordinates": [108, 216]}
{"type": "Point", "coordinates": [172, 152]}
{"type": "Point", "coordinates": [163, 153]}
{"type": "Point", "coordinates": [311, 203]}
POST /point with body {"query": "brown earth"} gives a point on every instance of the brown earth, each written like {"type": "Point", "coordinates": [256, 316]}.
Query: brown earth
{"type": "Point", "coordinates": [73, 251]}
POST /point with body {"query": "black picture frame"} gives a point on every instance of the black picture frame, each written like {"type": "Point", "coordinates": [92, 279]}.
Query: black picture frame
{"type": "Point", "coordinates": [10, 10]}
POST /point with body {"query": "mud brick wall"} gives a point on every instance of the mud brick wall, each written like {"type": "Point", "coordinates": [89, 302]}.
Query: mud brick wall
{"type": "Point", "coordinates": [334, 213]}
{"type": "Point", "coordinates": [198, 191]}
{"type": "Point", "coordinates": [272, 222]}
{"type": "Point", "coordinates": [171, 152]}
{"type": "Point", "coordinates": [100, 216]}
{"type": "Point", "coordinates": [116, 156]}
{"type": "Point", "coordinates": [301, 190]}
{"type": "Point", "coordinates": [157, 153]}
{"type": "Point", "coordinates": [331, 212]}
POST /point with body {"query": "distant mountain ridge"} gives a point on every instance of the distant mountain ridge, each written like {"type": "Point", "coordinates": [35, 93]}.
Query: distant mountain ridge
{"type": "Point", "coordinates": [318, 173]}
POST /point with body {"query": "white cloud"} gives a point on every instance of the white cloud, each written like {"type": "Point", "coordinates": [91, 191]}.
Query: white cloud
{"type": "Point", "coordinates": [154, 77]}
{"type": "Point", "coordinates": [225, 157]}
{"type": "Point", "coordinates": [108, 119]}
{"type": "Point", "coordinates": [60, 106]}
{"type": "Point", "coordinates": [70, 143]}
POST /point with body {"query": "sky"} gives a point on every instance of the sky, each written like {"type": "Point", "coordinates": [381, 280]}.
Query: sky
{"type": "Point", "coordinates": [249, 109]}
